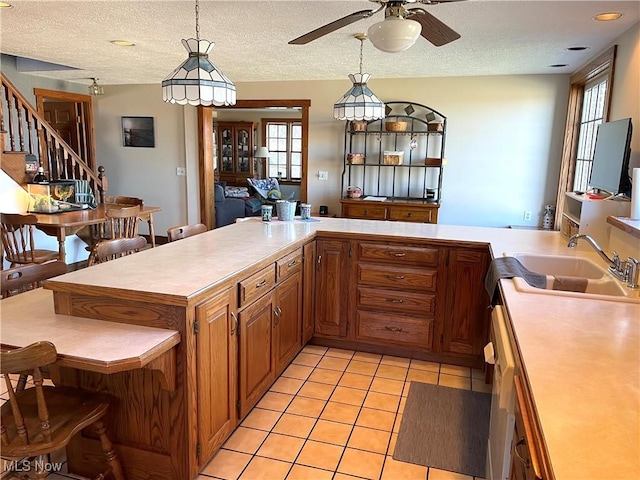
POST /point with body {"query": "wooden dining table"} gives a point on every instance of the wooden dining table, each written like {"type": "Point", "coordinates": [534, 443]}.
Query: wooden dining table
{"type": "Point", "coordinates": [62, 224]}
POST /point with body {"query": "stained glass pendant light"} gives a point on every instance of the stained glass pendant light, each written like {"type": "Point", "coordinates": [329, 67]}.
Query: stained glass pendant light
{"type": "Point", "coordinates": [197, 81]}
{"type": "Point", "coordinates": [359, 103]}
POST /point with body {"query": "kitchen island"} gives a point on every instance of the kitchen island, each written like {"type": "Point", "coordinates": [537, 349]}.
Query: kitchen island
{"type": "Point", "coordinates": [580, 356]}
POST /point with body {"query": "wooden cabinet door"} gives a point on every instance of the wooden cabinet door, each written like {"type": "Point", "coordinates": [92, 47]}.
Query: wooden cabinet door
{"type": "Point", "coordinates": [257, 369]}
{"type": "Point", "coordinates": [217, 367]}
{"type": "Point", "coordinates": [308, 290]}
{"type": "Point", "coordinates": [332, 287]}
{"type": "Point", "coordinates": [287, 321]}
{"type": "Point", "coordinates": [466, 322]}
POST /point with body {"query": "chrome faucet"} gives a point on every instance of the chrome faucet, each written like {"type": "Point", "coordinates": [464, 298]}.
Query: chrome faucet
{"type": "Point", "coordinates": [627, 271]}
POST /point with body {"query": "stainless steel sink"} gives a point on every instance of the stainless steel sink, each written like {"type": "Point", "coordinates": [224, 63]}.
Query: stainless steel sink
{"type": "Point", "coordinates": [601, 285]}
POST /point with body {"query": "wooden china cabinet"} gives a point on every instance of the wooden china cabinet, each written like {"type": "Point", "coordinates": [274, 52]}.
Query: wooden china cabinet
{"type": "Point", "coordinates": [236, 143]}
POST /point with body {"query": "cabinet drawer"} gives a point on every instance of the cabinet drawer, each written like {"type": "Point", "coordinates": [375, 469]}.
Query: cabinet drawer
{"type": "Point", "coordinates": [393, 276]}
{"type": "Point", "coordinates": [405, 214]}
{"type": "Point", "coordinates": [289, 265]}
{"type": "Point", "coordinates": [397, 300]}
{"type": "Point", "coordinates": [256, 285]}
{"type": "Point", "coordinates": [363, 211]}
{"type": "Point", "coordinates": [397, 329]}
{"type": "Point", "coordinates": [398, 253]}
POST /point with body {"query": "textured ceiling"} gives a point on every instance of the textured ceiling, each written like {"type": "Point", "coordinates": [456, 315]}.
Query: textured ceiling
{"type": "Point", "coordinates": [498, 38]}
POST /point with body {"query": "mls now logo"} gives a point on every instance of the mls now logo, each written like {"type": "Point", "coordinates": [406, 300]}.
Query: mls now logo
{"type": "Point", "coordinates": [25, 465]}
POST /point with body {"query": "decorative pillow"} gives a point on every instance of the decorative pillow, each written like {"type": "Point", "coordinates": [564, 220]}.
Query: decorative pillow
{"type": "Point", "coordinates": [237, 192]}
{"type": "Point", "coordinates": [266, 187]}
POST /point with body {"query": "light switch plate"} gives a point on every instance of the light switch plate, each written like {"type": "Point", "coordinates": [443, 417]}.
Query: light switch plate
{"type": "Point", "coordinates": [323, 175]}
{"type": "Point", "coordinates": [181, 171]}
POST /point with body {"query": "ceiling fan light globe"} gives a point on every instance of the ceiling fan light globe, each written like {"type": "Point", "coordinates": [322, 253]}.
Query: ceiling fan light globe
{"type": "Point", "coordinates": [394, 34]}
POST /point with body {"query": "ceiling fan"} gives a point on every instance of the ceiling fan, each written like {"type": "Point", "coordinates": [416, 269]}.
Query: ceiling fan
{"type": "Point", "coordinates": [400, 28]}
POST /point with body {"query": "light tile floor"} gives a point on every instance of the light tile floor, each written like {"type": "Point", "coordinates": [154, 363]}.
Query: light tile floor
{"type": "Point", "coordinates": [333, 414]}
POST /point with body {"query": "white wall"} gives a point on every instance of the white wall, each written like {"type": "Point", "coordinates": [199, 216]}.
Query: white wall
{"type": "Point", "coordinates": [626, 86]}
{"type": "Point", "coordinates": [503, 143]}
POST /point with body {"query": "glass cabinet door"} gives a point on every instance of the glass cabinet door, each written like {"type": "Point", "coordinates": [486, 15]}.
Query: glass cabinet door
{"type": "Point", "coordinates": [243, 150]}
{"type": "Point", "coordinates": [226, 150]}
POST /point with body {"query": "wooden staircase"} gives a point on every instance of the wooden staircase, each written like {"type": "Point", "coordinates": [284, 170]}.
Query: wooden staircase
{"type": "Point", "coordinates": [23, 132]}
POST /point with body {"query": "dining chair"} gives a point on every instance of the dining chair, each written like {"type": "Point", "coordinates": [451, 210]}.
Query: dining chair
{"type": "Point", "coordinates": [123, 200]}
{"type": "Point", "coordinates": [148, 217]}
{"type": "Point", "coordinates": [18, 240]}
{"type": "Point", "coordinates": [118, 247]}
{"type": "Point", "coordinates": [122, 222]}
{"type": "Point", "coordinates": [42, 419]}
{"type": "Point", "coordinates": [20, 278]}
{"type": "Point", "coordinates": [184, 231]}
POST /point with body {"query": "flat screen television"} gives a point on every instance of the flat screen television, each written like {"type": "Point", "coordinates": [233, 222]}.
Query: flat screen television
{"type": "Point", "coordinates": [610, 170]}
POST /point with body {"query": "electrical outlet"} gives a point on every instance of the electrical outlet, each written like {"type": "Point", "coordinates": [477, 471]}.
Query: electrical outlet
{"type": "Point", "coordinates": [181, 171]}
{"type": "Point", "coordinates": [527, 215]}
{"type": "Point", "coordinates": [323, 175]}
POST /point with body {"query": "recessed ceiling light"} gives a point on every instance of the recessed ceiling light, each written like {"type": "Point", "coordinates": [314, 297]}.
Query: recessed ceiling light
{"type": "Point", "coordinates": [577, 49]}
{"type": "Point", "coordinates": [5, 5]}
{"type": "Point", "coordinates": [123, 43]}
{"type": "Point", "coordinates": [608, 16]}
{"type": "Point", "coordinates": [558, 65]}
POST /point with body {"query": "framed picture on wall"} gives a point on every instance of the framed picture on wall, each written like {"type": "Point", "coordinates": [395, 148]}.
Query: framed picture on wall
{"type": "Point", "coordinates": [138, 132]}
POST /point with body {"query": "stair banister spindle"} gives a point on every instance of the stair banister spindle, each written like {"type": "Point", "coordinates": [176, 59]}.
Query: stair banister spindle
{"type": "Point", "coordinates": [19, 108]}
{"type": "Point", "coordinates": [12, 140]}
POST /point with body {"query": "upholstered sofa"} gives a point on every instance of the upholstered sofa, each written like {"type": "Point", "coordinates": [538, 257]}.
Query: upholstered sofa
{"type": "Point", "coordinates": [228, 209]}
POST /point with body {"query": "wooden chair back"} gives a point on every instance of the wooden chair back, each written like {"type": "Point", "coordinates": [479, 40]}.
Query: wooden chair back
{"type": "Point", "coordinates": [24, 277]}
{"type": "Point", "coordinates": [121, 200]}
{"type": "Point", "coordinates": [118, 247]}
{"type": "Point", "coordinates": [43, 419]}
{"type": "Point", "coordinates": [122, 221]}
{"type": "Point", "coordinates": [184, 231]}
{"type": "Point", "coordinates": [18, 241]}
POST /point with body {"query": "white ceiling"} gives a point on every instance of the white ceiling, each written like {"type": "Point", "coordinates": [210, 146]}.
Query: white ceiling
{"type": "Point", "coordinates": [498, 38]}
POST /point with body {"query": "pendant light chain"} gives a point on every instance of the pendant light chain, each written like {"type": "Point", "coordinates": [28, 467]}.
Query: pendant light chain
{"type": "Point", "coordinates": [197, 20]}
{"type": "Point", "coordinates": [361, 44]}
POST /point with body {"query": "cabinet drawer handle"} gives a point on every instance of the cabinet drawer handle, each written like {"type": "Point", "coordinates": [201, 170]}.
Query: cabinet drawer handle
{"type": "Point", "coordinates": [234, 329]}
{"type": "Point", "coordinates": [524, 461]}
{"type": "Point", "coordinates": [393, 329]}
{"type": "Point", "coordinates": [366, 212]}
{"type": "Point", "coordinates": [395, 277]}
{"type": "Point", "coordinates": [398, 254]}
{"type": "Point", "coordinates": [277, 312]}
{"type": "Point", "coordinates": [408, 214]}
{"type": "Point", "coordinates": [395, 300]}
{"type": "Point", "coordinates": [262, 283]}
{"type": "Point", "coordinates": [292, 263]}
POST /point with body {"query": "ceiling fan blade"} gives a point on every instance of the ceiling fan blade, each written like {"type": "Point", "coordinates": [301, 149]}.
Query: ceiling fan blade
{"type": "Point", "coordinates": [432, 29]}
{"type": "Point", "coordinates": [332, 27]}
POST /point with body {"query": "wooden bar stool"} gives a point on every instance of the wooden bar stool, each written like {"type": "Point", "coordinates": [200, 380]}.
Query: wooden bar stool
{"type": "Point", "coordinates": [23, 277]}
{"type": "Point", "coordinates": [184, 231]}
{"type": "Point", "coordinates": [40, 420]}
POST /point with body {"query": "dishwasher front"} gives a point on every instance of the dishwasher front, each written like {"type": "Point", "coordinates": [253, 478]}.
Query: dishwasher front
{"type": "Point", "coordinates": [501, 425]}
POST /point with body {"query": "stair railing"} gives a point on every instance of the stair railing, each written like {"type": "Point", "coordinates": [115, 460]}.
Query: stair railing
{"type": "Point", "coordinates": [25, 130]}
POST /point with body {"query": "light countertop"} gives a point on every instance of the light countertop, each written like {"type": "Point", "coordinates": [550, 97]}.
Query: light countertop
{"type": "Point", "coordinates": [582, 356]}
